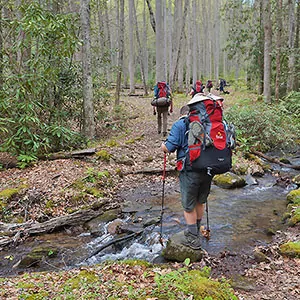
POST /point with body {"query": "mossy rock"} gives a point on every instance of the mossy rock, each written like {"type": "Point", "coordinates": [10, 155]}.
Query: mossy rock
{"type": "Point", "coordinates": [296, 180]}
{"type": "Point", "coordinates": [176, 251]}
{"type": "Point", "coordinates": [291, 249]}
{"type": "Point", "coordinates": [229, 181]}
{"type": "Point", "coordinates": [34, 257]}
{"type": "Point", "coordinates": [295, 218]}
{"type": "Point", "coordinates": [294, 197]}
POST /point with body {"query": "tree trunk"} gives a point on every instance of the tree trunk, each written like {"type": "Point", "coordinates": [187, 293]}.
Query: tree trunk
{"type": "Point", "coordinates": [278, 46]}
{"type": "Point", "coordinates": [194, 41]}
{"type": "Point", "coordinates": [291, 45]}
{"type": "Point", "coordinates": [152, 18]}
{"type": "Point", "coordinates": [88, 105]}
{"type": "Point", "coordinates": [1, 50]}
{"type": "Point", "coordinates": [216, 45]}
{"type": "Point", "coordinates": [160, 42]}
{"type": "Point", "coordinates": [297, 82]}
{"type": "Point", "coordinates": [121, 52]}
{"type": "Point", "coordinates": [131, 54]}
{"type": "Point", "coordinates": [267, 50]}
{"type": "Point", "coordinates": [141, 52]}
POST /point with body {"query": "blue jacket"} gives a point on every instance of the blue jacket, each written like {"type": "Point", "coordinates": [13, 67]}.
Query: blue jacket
{"type": "Point", "coordinates": [178, 138]}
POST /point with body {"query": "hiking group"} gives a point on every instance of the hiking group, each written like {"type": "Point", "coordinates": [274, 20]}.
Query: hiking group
{"type": "Point", "coordinates": [203, 142]}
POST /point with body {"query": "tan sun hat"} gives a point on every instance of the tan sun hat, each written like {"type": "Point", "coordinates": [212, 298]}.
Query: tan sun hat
{"type": "Point", "coordinates": [198, 98]}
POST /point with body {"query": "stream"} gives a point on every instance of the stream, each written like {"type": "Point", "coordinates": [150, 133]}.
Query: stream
{"type": "Point", "coordinates": [238, 219]}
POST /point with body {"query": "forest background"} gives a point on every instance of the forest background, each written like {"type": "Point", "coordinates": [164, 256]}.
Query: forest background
{"type": "Point", "coordinates": [64, 63]}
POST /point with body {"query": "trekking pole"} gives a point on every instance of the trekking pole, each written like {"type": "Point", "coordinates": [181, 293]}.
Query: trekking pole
{"type": "Point", "coordinates": [163, 198]}
{"type": "Point", "coordinates": [207, 234]}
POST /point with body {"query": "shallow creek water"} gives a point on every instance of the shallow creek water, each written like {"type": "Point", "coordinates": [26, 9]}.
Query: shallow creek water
{"type": "Point", "coordinates": [238, 219]}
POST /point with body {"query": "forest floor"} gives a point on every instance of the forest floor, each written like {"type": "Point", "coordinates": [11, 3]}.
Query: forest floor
{"type": "Point", "coordinates": [134, 145]}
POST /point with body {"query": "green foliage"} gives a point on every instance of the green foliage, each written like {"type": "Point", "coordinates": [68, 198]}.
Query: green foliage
{"type": "Point", "coordinates": [195, 282]}
{"type": "Point", "coordinates": [264, 126]}
{"type": "Point", "coordinates": [40, 83]}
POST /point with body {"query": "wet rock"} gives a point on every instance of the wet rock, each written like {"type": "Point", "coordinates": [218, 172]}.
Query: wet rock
{"type": "Point", "coordinates": [176, 251]}
{"type": "Point", "coordinates": [296, 180]}
{"type": "Point", "coordinates": [229, 181]}
{"type": "Point", "coordinates": [38, 254]}
{"type": "Point", "coordinates": [151, 221]}
{"type": "Point", "coordinates": [115, 226]}
{"type": "Point", "coordinates": [250, 180]}
{"type": "Point", "coordinates": [260, 257]}
{"type": "Point", "coordinates": [96, 225]}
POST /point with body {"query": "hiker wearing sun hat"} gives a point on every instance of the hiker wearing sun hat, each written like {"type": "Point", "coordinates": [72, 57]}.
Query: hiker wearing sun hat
{"type": "Point", "coordinates": [202, 151]}
{"type": "Point", "coordinates": [194, 185]}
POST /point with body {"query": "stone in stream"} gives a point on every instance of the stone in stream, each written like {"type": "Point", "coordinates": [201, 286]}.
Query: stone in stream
{"type": "Point", "coordinates": [176, 251]}
{"type": "Point", "coordinates": [229, 180]}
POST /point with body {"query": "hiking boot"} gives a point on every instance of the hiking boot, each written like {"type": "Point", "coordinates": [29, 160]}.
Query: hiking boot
{"type": "Point", "coordinates": [192, 241]}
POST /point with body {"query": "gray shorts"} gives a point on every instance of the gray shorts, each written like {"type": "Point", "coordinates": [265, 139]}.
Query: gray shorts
{"type": "Point", "coordinates": [194, 188]}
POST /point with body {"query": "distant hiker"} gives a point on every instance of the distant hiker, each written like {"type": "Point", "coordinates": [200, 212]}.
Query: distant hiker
{"type": "Point", "coordinates": [198, 87]}
{"type": "Point", "coordinates": [209, 85]}
{"type": "Point", "coordinates": [161, 103]}
{"type": "Point", "coordinates": [203, 149]}
{"type": "Point", "coordinates": [222, 86]}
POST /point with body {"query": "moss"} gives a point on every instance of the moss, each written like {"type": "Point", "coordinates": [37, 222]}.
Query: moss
{"type": "Point", "coordinates": [148, 159]}
{"type": "Point", "coordinates": [295, 219]}
{"type": "Point", "coordinates": [84, 276]}
{"type": "Point", "coordinates": [130, 141]}
{"type": "Point", "coordinates": [95, 192]}
{"type": "Point", "coordinates": [112, 143]}
{"type": "Point", "coordinates": [78, 184]}
{"type": "Point", "coordinates": [136, 262]}
{"type": "Point", "coordinates": [291, 249]}
{"type": "Point", "coordinates": [294, 197]}
{"type": "Point", "coordinates": [103, 155]}
{"type": "Point", "coordinates": [8, 193]}
{"type": "Point", "coordinates": [49, 204]}
{"type": "Point", "coordinates": [119, 172]}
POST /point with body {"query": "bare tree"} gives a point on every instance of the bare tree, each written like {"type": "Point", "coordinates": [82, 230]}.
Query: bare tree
{"type": "Point", "coordinates": [141, 52]}
{"type": "Point", "coordinates": [152, 18]}
{"type": "Point", "coordinates": [1, 50]}
{"type": "Point", "coordinates": [291, 46]}
{"type": "Point", "coordinates": [160, 45]}
{"type": "Point", "coordinates": [278, 48]}
{"type": "Point", "coordinates": [121, 52]}
{"type": "Point", "coordinates": [88, 105]}
{"type": "Point", "coordinates": [131, 54]}
{"type": "Point", "coordinates": [267, 50]}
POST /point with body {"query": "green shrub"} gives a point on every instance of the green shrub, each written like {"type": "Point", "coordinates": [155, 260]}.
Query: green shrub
{"type": "Point", "coordinates": [265, 126]}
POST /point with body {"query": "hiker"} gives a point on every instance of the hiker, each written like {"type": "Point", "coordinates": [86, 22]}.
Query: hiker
{"type": "Point", "coordinates": [209, 85]}
{"type": "Point", "coordinates": [197, 88]}
{"type": "Point", "coordinates": [222, 86]}
{"type": "Point", "coordinates": [162, 105]}
{"type": "Point", "coordinates": [194, 186]}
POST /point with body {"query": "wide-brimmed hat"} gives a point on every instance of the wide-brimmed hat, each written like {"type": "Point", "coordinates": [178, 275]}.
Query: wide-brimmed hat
{"type": "Point", "coordinates": [198, 98]}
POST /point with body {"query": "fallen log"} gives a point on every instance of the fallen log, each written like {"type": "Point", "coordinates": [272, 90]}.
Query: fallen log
{"type": "Point", "coordinates": [10, 233]}
{"type": "Point", "coordinates": [79, 154]}
{"type": "Point", "coordinates": [275, 160]}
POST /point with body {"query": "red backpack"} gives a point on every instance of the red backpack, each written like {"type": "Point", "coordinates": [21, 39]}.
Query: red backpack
{"type": "Point", "coordinates": [162, 90]}
{"type": "Point", "coordinates": [209, 140]}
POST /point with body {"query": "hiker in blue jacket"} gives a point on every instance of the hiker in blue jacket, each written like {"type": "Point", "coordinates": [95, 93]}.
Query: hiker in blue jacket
{"type": "Point", "coordinates": [194, 186]}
